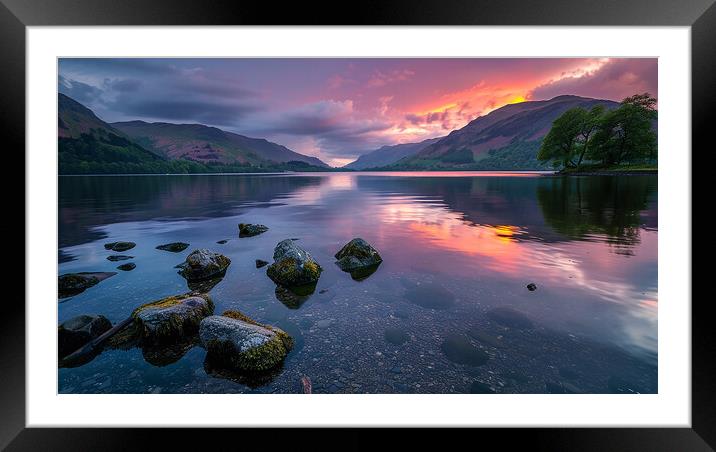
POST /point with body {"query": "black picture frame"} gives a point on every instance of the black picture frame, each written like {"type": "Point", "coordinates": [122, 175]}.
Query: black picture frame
{"type": "Point", "coordinates": [16, 15]}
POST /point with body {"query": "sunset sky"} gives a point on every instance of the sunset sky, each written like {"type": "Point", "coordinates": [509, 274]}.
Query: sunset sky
{"type": "Point", "coordinates": [337, 109]}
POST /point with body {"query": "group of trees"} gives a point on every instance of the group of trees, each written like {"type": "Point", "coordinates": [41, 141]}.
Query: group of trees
{"type": "Point", "coordinates": [607, 137]}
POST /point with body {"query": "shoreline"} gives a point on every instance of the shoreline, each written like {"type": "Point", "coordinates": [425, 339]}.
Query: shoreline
{"type": "Point", "coordinates": [608, 173]}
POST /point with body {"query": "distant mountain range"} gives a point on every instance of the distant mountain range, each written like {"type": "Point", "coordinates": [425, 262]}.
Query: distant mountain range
{"type": "Point", "coordinates": [388, 155]}
{"type": "Point", "coordinates": [208, 144]}
{"type": "Point", "coordinates": [86, 144]}
{"type": "Point", "coordinates": [507, 138]}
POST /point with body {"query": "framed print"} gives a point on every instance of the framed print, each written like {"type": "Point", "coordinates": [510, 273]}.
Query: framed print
{"type": "Point", "coordinates": [384, 221]}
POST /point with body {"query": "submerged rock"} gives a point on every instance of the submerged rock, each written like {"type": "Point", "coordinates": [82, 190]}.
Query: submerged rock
{"type": "Point", "coordinates": [77, 331]}
{"type": "Point", "coordinates": [396, 336]}
{"type": "Point", "coordinates": [459, 350]}
{"type": "Point", "coordinates": [221, 242]}
{"type": "Point", "coordinates": [358, 258]}
{"type": "Point", "coordinates": [510, 318]}
{"type": "Point", "coordinates": [171, 318]}
{"type": "Point", "coordinates": [174, 247]}
{"type": "Point", "coordinates": [293, 266]}
{"type": "Point", "coordinates": [127, 267]}
{"type": "Point", "coordinates": [430, 296]}
{"type": "Point", "coordinates": [76, 283]}
{"type": "Point", "coordinates": [261, 263]}
{"type": "Point", "coordinates": [119, 246]}
{"type": "Point", "coordinates": [238, 342]}
{"type": "Point", "coordinates": [250, 230]}
{"type": "Point", "coordinates": [118, 257]}
{"type": "Point", "coordinates": [203, 264]}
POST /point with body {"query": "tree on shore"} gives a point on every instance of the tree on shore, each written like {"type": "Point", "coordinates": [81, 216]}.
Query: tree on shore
{"type": "Point", "coordinates": [610, 137]}
{"type": "Point", "coordinates": [625, 133]}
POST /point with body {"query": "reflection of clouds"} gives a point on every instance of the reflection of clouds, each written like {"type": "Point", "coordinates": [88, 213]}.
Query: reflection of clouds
{"type": "Point", "coordinates": [588, 269]}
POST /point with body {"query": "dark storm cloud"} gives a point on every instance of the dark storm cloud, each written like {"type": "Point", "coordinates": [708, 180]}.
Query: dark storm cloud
{"type": "Point", "coordinates": [191, 110]}
{"type": "Point", "coordinates": [81, 92]}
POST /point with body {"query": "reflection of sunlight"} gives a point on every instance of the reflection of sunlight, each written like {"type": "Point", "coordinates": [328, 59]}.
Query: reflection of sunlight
{"type": "Point", "coordinates": [503, 253]}
{"type": "Point", "coordinates": [341, 182]}
{"type": "Point", "coordinates": [329, 184]}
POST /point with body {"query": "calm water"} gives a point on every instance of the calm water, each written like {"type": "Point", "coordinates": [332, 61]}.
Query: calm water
{"type": "Point", "coordinates": [456, 246]}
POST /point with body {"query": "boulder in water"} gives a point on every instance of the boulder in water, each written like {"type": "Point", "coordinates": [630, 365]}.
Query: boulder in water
{"type": "Point", "coordinates": [203, 264]}
{"type": "Point", "coordinates": [240, 343]}
{"type": "Point", "coordinates": [119, 246]}
{"type": "Point", "coordinates": [174, 247]}
{"type": "Point", "coordinates": [77, 331]}
{"type": "Point", "coordinates": [75, 283]}
{"type": "Point", "coordinates": [357, 256]}
{"type": "Point", "coordinates": [293, 266]}
{"type": "Point", "coordinates": [171, 318]}
{"type": "Point", "coordinates": [250, 230]}
{"type": "Point", "coordinates": [118, 257]}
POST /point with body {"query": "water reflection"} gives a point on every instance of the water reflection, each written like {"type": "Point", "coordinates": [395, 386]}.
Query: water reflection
{"type": "Point", "coordinates": [595, 207]}
{"type": "Point", "coordinates": [458, 251]}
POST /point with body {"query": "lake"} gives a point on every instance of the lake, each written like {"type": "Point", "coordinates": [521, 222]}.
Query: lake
{"type": "Point", "coordinates": [448, 310]}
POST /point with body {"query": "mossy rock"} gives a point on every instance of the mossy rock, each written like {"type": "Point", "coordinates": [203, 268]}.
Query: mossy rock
{"type": "Point", "coordinates": [172, 318]}
{"type": "Point", "coordinates": [129, 266]}
{"type": "Point", "coordinates": [75, 283]}
{"type": "Point", "coordinates": [240, 343]}
{"type": "Point", "coordinates": [174, 247]}
{"type": "Point", "coordinates": [261, 263]}
{"type": "Point", "coordinates": [78, 331]}
{"type": "Point", "coordinates": [119, 246]}
{"type": "Point", "coordinates": [203, 264]}
{"type": "Point", "coordinates": [293, 266]}
{"type": "Point", "coordinates": [250, 230]}
{"type": "Point", "coordinates": [359, 258]}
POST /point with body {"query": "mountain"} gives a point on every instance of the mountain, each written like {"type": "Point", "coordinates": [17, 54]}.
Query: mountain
{"type": "Point", "coordinates": [206, 144]}
{"type": "Point", "coordinates": [88, 145]}
{"type": "Point", "coordinates": [505, 139]}
{"type": "Point", "coordinates": [84, 139]}
{"type": "Point", "coordinates": [387, 155]}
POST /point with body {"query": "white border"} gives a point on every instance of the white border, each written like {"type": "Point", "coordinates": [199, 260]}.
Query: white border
{"type": "Point", "coordinates": [670, 407]}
